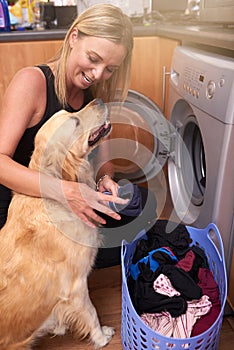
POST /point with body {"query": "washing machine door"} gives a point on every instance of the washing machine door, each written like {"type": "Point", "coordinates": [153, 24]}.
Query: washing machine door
{"type": "Point", "coordinates": [140, 138]}
{"type": "Point", "coordinates": [187, 171]}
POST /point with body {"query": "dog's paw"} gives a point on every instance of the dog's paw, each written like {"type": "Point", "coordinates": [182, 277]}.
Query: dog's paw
{"type": "Point", "coordinates": [104, 338]}
{"type": "Point", "coordinates": [108, 331]}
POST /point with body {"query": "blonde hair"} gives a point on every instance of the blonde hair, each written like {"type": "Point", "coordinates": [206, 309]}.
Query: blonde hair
{"type": "Point", "coordinates": [103, 21]}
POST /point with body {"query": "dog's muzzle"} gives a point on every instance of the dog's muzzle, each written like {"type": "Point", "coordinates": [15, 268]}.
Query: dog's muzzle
{"type": "Point", "coordinates": [104, 128]}
{"type": "Point", "coordinates": [100, 133]}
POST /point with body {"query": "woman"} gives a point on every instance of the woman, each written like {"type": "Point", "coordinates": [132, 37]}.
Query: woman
{"type": "Point", "coordinates": [95, 56]}
{"type": "Point", "coordinates": [95, 60]}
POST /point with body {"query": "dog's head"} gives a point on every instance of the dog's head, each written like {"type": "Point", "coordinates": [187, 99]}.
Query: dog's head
{"type": "Point", "coordinates": [69, 137]}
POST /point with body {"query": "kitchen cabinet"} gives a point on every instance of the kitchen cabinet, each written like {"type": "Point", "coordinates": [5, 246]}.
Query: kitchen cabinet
{"type": "Point", "coordinates": [150, 55]}
{"type": "Point", "coordinates": [16, 55]}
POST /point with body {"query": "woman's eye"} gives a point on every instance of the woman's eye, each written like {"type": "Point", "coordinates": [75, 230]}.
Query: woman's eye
{"type": "Point", "coordinates": [110, 70]}
{"type": "Point", "coordinates": [92, 59]}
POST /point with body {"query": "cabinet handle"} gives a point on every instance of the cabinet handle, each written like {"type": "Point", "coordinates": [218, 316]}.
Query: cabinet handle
{"type": "Point", "coordinates": [165, 73]}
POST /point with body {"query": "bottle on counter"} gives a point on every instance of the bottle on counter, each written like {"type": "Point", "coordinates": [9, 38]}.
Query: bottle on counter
{"type": "Point", "coordinates": [22, 14]}
{"type": "Point", "coordinates": [5, 25]}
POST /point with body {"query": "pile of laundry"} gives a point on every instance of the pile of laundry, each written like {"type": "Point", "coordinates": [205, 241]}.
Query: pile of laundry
{"type": "Point", "coordinates": [171, 285]}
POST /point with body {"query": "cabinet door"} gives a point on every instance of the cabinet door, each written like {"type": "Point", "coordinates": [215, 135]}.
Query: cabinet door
{"type": "Point", "coordinates": [150, 54]}
{"type": "Point", "coordinates": [16, 55]}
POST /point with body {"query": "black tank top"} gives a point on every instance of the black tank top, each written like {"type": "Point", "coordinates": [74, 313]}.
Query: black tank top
{"type": "Point", "coordinates": [26, 145]}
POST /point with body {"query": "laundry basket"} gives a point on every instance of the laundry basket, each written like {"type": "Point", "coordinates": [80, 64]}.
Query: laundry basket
{"type": "Point", "coordinates": [136, 335]}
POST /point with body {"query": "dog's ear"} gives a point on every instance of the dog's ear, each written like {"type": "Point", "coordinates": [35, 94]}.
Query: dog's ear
{"type": "Point", "coordinates": [75, 157]}
{"type": "Point", "coordinates": [70, 167]}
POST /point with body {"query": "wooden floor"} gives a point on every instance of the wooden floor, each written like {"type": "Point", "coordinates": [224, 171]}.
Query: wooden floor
{"type": "Point", "coordinates": [105, 292]}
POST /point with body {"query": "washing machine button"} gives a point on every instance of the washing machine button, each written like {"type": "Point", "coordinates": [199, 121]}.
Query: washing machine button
{"type": "Point", "coordinates": [221, 82]}
{"type": "Point", "coordinates": [210, 89]}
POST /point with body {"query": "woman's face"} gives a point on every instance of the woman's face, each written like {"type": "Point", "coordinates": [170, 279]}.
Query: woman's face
{"type": "Point", "coordinates": [92, 59]}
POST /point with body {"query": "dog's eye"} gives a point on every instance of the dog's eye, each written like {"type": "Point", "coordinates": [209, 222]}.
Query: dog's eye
{"type": "Point", "coordinates": [77, 121]}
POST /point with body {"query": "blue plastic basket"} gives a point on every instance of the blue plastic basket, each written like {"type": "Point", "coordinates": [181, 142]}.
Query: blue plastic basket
{"type": "Point", "coordinates": [136, 335]}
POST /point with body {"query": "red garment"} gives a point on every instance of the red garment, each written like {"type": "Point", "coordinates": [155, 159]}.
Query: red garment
{"type": "Point", "coordinates": [210, 288]}
{"type": "Point", "coordinates": [187, 262]}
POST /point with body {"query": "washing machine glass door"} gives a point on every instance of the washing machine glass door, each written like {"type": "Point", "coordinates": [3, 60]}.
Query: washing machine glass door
{"type": "Point", "coordinates": [187, 170]}
{"type": "Point", "coordinates": [140, 138]}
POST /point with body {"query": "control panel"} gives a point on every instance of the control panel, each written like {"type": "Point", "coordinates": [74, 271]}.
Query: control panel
{"type": "Point", "coordinates": [206, 80]}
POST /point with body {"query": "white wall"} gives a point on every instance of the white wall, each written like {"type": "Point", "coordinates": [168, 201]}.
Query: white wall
{"type": "Point", "coordinates": [130, 7]}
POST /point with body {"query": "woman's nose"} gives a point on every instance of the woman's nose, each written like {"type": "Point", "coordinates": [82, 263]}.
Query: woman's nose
{"type": "Point", "coordinates": [97, 73]}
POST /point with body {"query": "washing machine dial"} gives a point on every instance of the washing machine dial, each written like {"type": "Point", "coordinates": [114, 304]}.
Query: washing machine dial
{"type": "Point", "coordinates": [221, 82]}
{"type": "Point", "coordinates": [210, 89]}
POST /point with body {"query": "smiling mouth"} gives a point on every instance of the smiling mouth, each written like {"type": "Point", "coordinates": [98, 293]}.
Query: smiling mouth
{"type": "Point", "coordinates": [99, 133]}
{"type": "Point", "coordinates": [87, 79]}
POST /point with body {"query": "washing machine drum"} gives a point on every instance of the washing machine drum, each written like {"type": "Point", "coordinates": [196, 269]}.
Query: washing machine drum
{"type": "Point", "coordinates": [139, 140]}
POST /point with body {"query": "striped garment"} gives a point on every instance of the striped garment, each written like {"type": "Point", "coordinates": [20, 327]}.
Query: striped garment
{"type": "Point", "coordinates": [178, 327]}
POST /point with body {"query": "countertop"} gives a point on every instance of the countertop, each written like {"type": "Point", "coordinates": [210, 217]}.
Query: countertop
{"type": "Point", "coordinates": [218, 36]}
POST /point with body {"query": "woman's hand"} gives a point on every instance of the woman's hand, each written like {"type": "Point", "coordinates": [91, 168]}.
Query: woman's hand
{"type": "Point", "coordinates": [83, 200]}
{"type": "Point", "coordinates": [105, 183]}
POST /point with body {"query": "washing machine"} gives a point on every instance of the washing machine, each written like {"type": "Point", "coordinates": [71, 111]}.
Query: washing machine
{"type": "Point", "coordinates": [196, 144]}
{"type": "Point", "coordinates": [201, 102]}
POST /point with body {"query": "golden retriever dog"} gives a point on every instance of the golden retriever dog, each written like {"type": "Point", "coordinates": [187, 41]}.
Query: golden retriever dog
{"type": "Point", "coordinates": [46, 251]}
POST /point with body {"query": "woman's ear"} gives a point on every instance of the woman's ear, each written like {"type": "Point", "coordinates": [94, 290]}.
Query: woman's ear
{"type": "Point", "coordinates": [73, 37]}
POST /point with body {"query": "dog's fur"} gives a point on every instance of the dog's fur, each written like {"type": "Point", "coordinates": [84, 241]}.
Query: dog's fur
{"type": "Point", "coordinates": [46, 252]}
